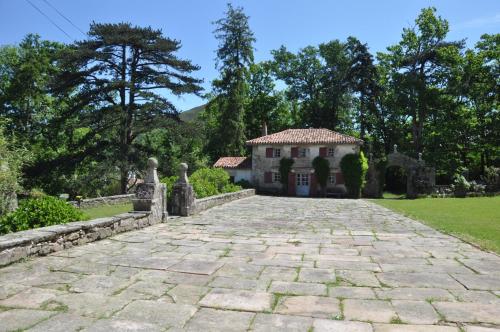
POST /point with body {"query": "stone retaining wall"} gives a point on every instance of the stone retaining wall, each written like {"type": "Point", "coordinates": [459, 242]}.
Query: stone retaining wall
{"type": "Point", "coordinates": [45, 240]}
{"type": "Point", "coordinates": [209, 202]}
{"type": "Point", "coordinates": [106, 200]}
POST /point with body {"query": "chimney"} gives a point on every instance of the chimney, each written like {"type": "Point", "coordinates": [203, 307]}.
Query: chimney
{"type": "Point", "coordinates": [264, 129]}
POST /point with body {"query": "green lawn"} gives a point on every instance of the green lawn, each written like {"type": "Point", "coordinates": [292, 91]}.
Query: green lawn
{"type": "Point", "coordinates": [106, 210]}
{"type": "Point", "coordinates": [476, 220]}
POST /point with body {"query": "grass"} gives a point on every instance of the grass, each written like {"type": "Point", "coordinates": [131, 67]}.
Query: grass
{"type": "Point", "coordinates": [474, 219]}
{"type": "Point", "coordinates": [106, 210]}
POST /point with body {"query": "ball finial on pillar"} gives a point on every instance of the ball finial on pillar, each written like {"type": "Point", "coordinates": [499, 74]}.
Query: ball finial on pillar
{"type": "Point", "coordinates": [152, 174]}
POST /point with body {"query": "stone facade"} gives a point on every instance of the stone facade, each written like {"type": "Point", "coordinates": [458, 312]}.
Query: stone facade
{"type": "Point", "coordinates": [262, 163]}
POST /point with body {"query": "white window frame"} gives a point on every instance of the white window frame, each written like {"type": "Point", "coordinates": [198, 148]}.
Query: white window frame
{"type": "Point", "coordinates": [276, 153]}
{"type": "Point", "coordinates": [303, 153]}
{"type": "Point", "coordinates": [330, 152]}
{"type": "Point", "coordinates": [276, 176]}
{"type": "Point", "coordinates": [332, 179]}
{"type": "Point", "coordinates": [302, 179]}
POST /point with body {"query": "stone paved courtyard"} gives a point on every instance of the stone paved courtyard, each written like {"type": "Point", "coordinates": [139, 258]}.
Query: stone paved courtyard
{"type": "Point", "coordinates": [261, 264]}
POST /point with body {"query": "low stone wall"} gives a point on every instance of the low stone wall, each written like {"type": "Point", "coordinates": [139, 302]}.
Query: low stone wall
{"type": "Point", "coordinates": [209, 202]}
{"type": "Point", "coordinates": [46, 240]}
{"type": "Point", "coordinates": [106, 200]}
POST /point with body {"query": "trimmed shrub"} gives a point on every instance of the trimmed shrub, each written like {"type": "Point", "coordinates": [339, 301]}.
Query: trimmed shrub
{"type": "Point", "coordinates": [211, 181]}
{"type": "Point", "coordinates": [39, 212]}
{"type": "Point", "coordinates": [322, 171]}
{"type": "Point", "coordinates": [354, 168]}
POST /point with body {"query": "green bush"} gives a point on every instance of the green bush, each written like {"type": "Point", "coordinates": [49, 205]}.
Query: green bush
{"type": "Point", "coordinates": [39, 212]}
{"type": "Point", "coordinates": [322, 171]}
{"type": "Point", "coordinates": [211, 181]}
{"type": "Point", "coordinates": [354, 168]}
{"type": "Point", "coordinates": [169, 181]}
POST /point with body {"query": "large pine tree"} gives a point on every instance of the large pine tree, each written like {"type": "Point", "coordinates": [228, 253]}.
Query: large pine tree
{"type": "Point", "coordinates": [234, 56]}
{"type": "Point", "coordinates": [117, 82]}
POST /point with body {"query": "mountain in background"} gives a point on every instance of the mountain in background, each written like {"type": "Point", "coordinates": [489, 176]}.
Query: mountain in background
{"type": "Point", "coordinates": [192, 114]}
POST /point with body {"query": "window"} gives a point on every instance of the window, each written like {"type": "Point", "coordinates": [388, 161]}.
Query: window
{"type": "Point", "coordinates": [331, 152]}
{"type": "Point", "coordinates": [302, 179]}
{"type": "Point", "coordinates": [303, 152]}
{"type": "Point", "coordinates": [276, 153]}
{"type": "Point", "coordinates": [276, 177]}
{"type": "Point", "coordinates": [331, 179]}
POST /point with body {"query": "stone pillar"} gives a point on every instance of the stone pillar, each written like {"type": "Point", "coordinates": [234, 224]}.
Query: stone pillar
{"type": "Point", "coordinates": [183, 202]}
{"type": "Point", "coordinates": [151, 195]}
{"type": "Point", "coordinates": [372, 187]}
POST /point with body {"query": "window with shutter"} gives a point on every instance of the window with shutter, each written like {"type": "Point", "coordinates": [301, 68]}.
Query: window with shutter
{"type": "Point", "coordinates": [295, 152]}
{"type": "Point", "coordinates": [269, 152]}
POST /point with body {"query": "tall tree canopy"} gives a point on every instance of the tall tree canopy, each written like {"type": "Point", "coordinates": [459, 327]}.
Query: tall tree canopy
{"type": "Point", "coordinates": [420, 65]}
{"type": "Point", "coordinates": [116, 84]}
{"type": "Point", "coordinates": [234, 57]}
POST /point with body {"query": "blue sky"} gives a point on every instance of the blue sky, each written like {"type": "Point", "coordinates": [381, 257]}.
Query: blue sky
{"type": "Point", "coordinates": [292, 23]}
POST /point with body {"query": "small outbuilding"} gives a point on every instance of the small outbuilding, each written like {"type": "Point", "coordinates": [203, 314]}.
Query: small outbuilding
{"type": "Point", "coordinates": [239, 168]}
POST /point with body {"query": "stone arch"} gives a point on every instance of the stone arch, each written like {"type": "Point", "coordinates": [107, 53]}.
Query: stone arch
{"type": "Point", "coordinates": [420, 179]}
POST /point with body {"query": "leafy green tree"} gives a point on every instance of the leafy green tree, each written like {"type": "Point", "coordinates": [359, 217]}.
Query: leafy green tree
{"type": "Point", "coordinates": [265, 105]}
{"type": "Point", "coordinates": [420, 65]}
{"type": "Point", "coordinates": [234, 56]}
{"type": "Point", "coordinates": [25, 73]}
{"type": "Point", "coordinates": [113, 83]}
{"type": "Point", "coordinates": [302, 73]}
{"type": "Point", "coordinates": [363, 77]}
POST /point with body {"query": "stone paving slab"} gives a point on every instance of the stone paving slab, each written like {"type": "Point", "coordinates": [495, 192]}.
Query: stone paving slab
{"type": "Point", "coordinates": [261, 264]}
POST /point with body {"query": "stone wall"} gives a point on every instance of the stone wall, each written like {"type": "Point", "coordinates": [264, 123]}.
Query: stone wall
{"type": "Point", "coordinates": [209, 202]}
{"type": "Point", "coordinates": [45, 240]}
{"type": "Point", "coordinates": [106, 200]}
{"type": "Point", "coordinates": [149, 209]}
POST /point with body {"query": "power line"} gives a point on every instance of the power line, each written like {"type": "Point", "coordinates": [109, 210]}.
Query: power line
{"type": "Point", "coordinates": [62, 15]}
{"type": "Point", "coordinates": [50, 20]}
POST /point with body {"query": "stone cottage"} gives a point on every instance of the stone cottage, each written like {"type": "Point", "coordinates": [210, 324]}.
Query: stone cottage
{"type": "Point", "coordinates": [239, 168]}
{"type": "Point", "coordinates": [302, 145]}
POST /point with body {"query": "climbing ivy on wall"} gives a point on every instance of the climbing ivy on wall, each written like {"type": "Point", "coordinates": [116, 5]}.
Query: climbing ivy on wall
{"type": "Point", "coordinates": [354, 168]}
{"type": "Point", "coordinates": [322, 171]}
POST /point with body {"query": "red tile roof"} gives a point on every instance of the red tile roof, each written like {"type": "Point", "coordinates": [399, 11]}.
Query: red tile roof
{"type": "Point", "coordinates": [305, 136]}
{"type": "Point", "coordinates": [234, 162]}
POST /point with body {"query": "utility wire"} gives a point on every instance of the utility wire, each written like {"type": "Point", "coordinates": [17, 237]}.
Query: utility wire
{"type": "Point", "coordinates": [50, 20]}
{"type": "Point", "coordinates": [62, 15]}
